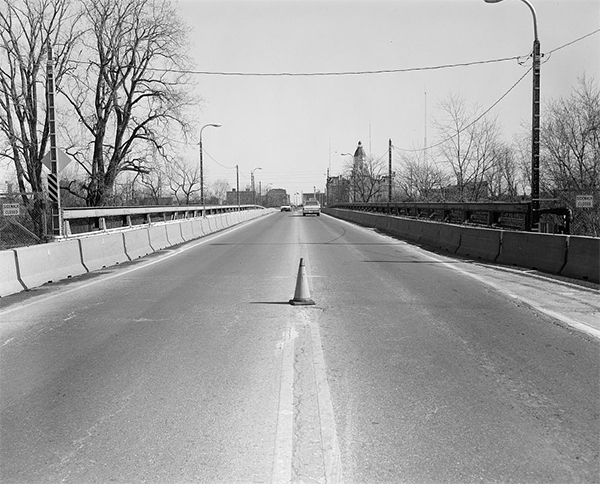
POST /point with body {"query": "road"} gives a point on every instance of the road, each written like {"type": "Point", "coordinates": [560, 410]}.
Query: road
{"type": "Point", "coordinates": [191, 366]}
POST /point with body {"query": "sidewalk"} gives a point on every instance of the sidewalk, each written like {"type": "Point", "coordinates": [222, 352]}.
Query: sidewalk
{"type": "Point", "coordinates": [575, 304]}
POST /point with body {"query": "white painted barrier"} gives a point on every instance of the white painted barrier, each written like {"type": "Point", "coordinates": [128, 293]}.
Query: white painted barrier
{"type": "Point", "coordinates": [187, 230]}
{"type": "Point", "coordinates": [174, 236]}
{"type": "Point", "coordinates": [104, 250]}
{"type": "Point", "coordinates": [9, 275]}
{"type": "Point", "coordinates": [158, 237]}
{"type": "Point", "coordinates": [137, 243]}
{"type": "Point", "coordinates": [51, 262]}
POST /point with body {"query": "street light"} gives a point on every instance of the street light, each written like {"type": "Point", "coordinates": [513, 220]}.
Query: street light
{"type": "Point", "coordinates": [214, 125]}
{"type": "Point", "coordinates": [535, 122]}
{"type": "Point", "coordinates": [252, 183]}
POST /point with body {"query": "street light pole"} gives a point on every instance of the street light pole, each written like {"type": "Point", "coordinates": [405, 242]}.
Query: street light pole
{"type": "Point", "coordinates": [214, 125]}
{"type": "Point", "coordinates": [252, 183]}
{"type": "Point", "coordinates": [535, 122]}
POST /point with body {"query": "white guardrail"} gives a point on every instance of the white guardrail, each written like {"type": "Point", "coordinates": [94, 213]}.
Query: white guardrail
{"type": "Point", "coordinates": [88, 220]}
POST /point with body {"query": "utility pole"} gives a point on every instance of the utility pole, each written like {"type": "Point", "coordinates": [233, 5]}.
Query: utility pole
{"type": "Point", "coordinates": [237, 184]}
{"type": "Point", "coordinates": [389, 174]}
{"type": "Point", "coordinates": [535, 139]}
{"type": "Point", "coordinates": [53, 181]}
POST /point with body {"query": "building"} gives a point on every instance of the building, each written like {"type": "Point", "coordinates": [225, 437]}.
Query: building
{"type": "Point", "coordinates": [276, 197]}
{"type": "Point", "coordinates": [338, 190]}
{"type": "Point", "coordinates": [245, 198]}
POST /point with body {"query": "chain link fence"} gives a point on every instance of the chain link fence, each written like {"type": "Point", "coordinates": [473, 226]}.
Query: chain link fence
{"type": "Point", "coordinates": [23, 223]}
{"type": "Point", "coordinates": [585, 220]}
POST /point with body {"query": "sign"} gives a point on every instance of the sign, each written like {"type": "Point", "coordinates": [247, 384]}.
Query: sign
{"type": "Point", "coordinates": [584, 201]}
{"type": "Point", "coordinates": [53, 188]}
{"type": "Point", "coordinates": [62, 160]}
{"type": "Point", "coordinates": [10, 209]}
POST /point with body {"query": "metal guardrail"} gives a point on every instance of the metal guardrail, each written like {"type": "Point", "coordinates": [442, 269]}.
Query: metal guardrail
{"type": "Point", "coordinates": [515, 216]}
{"type": "Point", "coordinates": [84, 220]}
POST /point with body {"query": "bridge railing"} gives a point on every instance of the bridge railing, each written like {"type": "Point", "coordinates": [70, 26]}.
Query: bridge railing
{"type": "Point", "coordinates": [515, 216]}
{"type": "Point", "coordinates": [85, 220]}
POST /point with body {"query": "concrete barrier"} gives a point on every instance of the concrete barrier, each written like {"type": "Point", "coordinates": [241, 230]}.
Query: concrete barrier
{"type": "Point", "coordinates": [158, 237]}
{"type": "Point", "coordinates": [200, 227]}
{"type": "Point", "coordinates": [413, 230]}
{"type": "Point", "coordinates": [380, 222]}
{"type": "Point", "coordinates": [398, 227]}
{"type": "Point", "coordinates": [51, 262]}
{"type": "Point", "coordinates": [583, 258]}
{"type": "Point", "coordinates": [187, 230]}
{"type": "Point", "coordinates": [137, 243]}
{"type": "Point", "coordinates": [449, 237]}
{"type": "Point", "coordinates": [174, 236]}
{"type": "Point", "coordinates": [479, 243]}
{"type": "Point", "coordinates": [544, 252]}
{"type": "Point", "coordinates": [429, 233]}
{"type": "Point", "coordinates": [98, 251]}
{"type": "Point", "coordinates": [9, 275]}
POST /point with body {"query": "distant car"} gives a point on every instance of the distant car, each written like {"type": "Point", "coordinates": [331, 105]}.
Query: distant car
{"type": "Point", "coordinates": [286, 208]}
{"type": "Point", "coordinates": [311, 207]}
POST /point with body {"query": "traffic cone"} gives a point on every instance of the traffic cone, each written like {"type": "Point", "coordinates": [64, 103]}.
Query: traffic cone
{"type": "Point", "coordinates": [302, 294]}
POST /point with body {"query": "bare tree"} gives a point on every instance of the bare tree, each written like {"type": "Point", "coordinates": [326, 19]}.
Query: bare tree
{"type": "Point", "coordinates": [218, 190]}
{"type": "Point", "coordinates": [420, 179]}
{"type": "Point", "coordinates": [570, 151]}
{"type": "Point", "coordinates": [132, 94]}
{"type": "Point", "coordinates": [468, 147]}
{"type": "Point", "coordinates": [183, 180]}
{"type": "Point", "coordinates": [26, 29]}
{"type": "Point", "coordinates": [504, 179]}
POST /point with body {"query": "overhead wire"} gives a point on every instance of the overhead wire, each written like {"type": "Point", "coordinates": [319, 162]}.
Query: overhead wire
{"type": "Point", "coordinates": [470, 124]}
{"type": "Point", "coordinates": [518, 58]}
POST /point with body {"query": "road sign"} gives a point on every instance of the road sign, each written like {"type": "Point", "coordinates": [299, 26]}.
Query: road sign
{"type": "Point", "coordinates": [10, 209]}
{"type": "Point", "coordinates": [584, 201]}
{"type": "Point", "coordinates": [53, 187]}
{"type": "Point", "coordinates": [62, 160]}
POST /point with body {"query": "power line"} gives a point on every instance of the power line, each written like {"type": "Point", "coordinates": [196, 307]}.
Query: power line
{"type": "Point", "coordinates": [470, 124]}
{"type": "Point", "coordinates": [574, 41]}
{"type": "Point", "coordinates": [369, 72]}
{"type": "Point", "coordinates": [339, 73]}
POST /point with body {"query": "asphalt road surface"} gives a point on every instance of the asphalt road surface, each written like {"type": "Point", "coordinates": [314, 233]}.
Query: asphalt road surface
{"type": "Point", "coordinates": [191, 366]}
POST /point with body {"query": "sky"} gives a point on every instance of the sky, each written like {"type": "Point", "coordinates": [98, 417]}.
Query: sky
{"type": "Point", "coordinates": [295, 128]}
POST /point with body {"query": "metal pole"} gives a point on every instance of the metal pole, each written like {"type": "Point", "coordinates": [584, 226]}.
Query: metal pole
{"type": "Point", "coordinates": [390, 172]}
{"type": "Point", "coordinates": [535, 122]}
{"type": "Point", "coordinates": [53, 181]}
{"type": "Point", "coordinates": [237, 184]}
{"type": "Point", "coordinates": [202, 176]}
{"type": "Point", "coordinates": [535, 140]}
{"type": "Point", "coordinates": [214, 125]}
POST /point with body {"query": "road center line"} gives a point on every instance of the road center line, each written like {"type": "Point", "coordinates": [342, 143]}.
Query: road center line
{"type": "Point", "coordinates": [282, 458]}
{"type": "Point", "coordinates": [329, 441]}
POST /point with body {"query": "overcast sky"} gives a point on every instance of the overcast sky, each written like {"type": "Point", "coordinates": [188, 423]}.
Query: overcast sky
{"type": "Point", "coordinates": [294, 128]}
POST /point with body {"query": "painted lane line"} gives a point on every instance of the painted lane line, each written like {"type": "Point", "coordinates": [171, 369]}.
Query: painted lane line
{"type": "Point", "coordinates": [282, 457]}
{"type": "Point", "coordinates": [329, 441]}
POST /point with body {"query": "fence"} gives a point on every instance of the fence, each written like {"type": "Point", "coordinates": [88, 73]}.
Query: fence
{"type": "Point", "coordinates": [23, 223]}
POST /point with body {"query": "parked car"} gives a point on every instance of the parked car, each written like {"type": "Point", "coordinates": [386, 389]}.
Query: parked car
{"type": "Point", "coordinates": [311, 207]}
{"type": "Point", "coordinates": [286, 208]}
